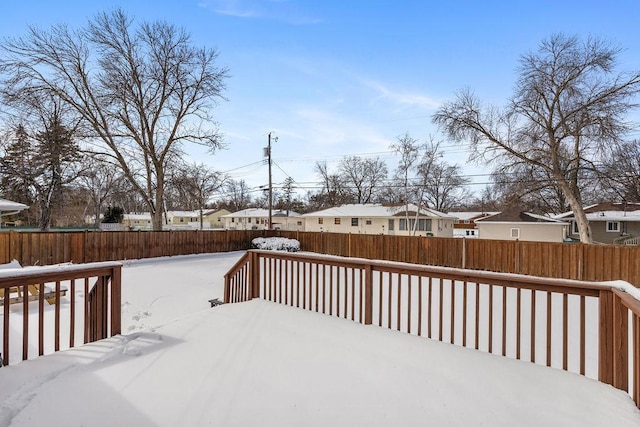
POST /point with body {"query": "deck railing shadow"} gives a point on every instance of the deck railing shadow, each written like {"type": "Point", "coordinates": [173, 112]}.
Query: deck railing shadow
{"type": "Point", "coordinates": [590, 328]}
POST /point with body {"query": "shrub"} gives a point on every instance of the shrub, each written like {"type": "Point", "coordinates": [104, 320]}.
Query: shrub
{"type": "Point", "coordinates": [275, 244]}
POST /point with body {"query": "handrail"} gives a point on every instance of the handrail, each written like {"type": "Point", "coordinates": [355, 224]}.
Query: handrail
{"type": "Point", "coordinates": [574, 325]}
{"type": "Point", "coordinates": [31, 286]}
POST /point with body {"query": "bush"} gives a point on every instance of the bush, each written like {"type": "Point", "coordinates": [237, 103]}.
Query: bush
{"type": "Point", "coordinates": [275, 244]}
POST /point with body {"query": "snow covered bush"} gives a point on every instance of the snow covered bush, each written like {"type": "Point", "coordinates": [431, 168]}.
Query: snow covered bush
{"type": "Point", "coordinates": [276, 244]}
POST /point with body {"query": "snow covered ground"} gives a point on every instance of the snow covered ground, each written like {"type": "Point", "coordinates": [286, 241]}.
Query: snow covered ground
{"type": "Point", "coordinates": [180, 362]}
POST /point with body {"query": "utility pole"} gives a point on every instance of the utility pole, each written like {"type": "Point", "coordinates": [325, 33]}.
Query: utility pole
{"type": "Point", "coordinates": [268, 155]}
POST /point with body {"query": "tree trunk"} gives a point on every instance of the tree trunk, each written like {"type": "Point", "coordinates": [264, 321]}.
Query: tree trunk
{"type": "Point", "coordinates": [44, 222]}
{"type": "Point", "coordinates": [584, 230]}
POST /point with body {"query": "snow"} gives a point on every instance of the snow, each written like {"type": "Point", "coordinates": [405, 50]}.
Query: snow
{"type": "Point", "coordinates": [180, 362]}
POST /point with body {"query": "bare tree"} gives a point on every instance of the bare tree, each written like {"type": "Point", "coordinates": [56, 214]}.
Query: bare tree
{"type": "Point", "coordinates": [364, 176]}
{"type": "Point", "coordinates": [196, 183]}
{"type": "Point", "coordinates": [567, 108]}
{"type": "Point", "coordinates": [99, 181]}
{"type": "Point", "coordinates": [620, 172]}
{"type": "Point", "coordinates": [236, 195]}
{"type": "Point", "coordinates": [334, 191]}
{"type": "Point", "coordinates": [141, 91]}
{"type": "Point", "coordinates": [444, 186]}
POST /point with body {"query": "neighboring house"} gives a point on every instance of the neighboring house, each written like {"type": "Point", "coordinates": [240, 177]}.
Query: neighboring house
{"type": "Point", "coordinates": [464, 224]}
{"type": "Point", "coordinates": [517, 225]}
{"type": "Point", "coordinates": [381, 219]}
{"type": "Point", "coordinates": [258, 219]}
{"type": "Point", "coordinates": [610, 222]}
{"type": "Point", "coordinates": [215, 218]}
{"type": "Point", "coordinates": [137, 221]}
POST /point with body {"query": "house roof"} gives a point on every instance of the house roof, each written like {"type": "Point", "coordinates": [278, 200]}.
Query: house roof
{"type": "Point", "coordinates": [512, 216]}
{"type": "Point", "coordinates": [8, 205]}
{"type": "Point", "coordinates": [608, 212]}
{"type": "Point", "coordinates": [468, 216]}
{"type": "Point", "coordinates": [372, 210]}
{"type": "Point", "coordinates": [261, 213]}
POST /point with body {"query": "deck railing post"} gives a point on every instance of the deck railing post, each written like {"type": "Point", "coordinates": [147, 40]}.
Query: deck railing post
{"type": "Point", "coordinates": [368, 294]}
{"type": "Point", "coordinates": [620, 321]}
{"type": "Point", "coordinates": [605, 337]}
{"type": "Point", "coordinates": [254, 270]}
{"type": "Point", "coordinates": [116, 300]}
{"type": "Point", "coordinates": [227, 288]}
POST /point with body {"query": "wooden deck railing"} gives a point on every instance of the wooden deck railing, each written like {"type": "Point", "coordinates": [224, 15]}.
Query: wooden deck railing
{"type": "Point", "coordinates": [98, 294]}
{"type": "Point", "coordinates": [583, 327]}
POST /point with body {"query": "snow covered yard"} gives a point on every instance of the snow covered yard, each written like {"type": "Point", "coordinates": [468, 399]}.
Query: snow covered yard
{"type": "Point", "coordinates": [181, 362]}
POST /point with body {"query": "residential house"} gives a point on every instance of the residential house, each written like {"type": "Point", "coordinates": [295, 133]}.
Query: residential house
{"type": "Point", "coordinates": [464, 224]}
{"type": "Point", "coordinates": [610, 222]}
{"type": "Point", "coordinates": [517, 225]}
{"type": "Point", "coordinates": [381, 219]}
{"type": "Point", "coordinates": [258, 219]}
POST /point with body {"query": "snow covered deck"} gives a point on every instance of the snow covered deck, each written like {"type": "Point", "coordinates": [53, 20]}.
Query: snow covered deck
{"type": "Point", "coordinates": [260, 363]}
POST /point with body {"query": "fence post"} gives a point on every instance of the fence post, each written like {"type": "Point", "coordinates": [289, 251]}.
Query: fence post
{"type": "Point", "coordinates": [605, 337]}
{"type": "Point", "coordinates": [368, 294]}
{"type": "Point", "coordinates": [620, 347]}
{"type": "Point", "coordinates": [464, 252]}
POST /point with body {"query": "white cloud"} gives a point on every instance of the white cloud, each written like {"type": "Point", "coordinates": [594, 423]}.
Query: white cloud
{"type": "Point", "coordinates": [279, 10]}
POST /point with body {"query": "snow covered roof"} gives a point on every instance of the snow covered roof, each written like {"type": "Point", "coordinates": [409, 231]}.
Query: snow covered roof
{"type": "Point", "coordinates": [608, 212]}
{"type": "Point", "coordinates": [260, 213]}
{"type": "Point", "coordinates": [373, 210]}
{"type": "Point", "coordinates": [517, 216]}
{"type": "Point", "coordinates": [467, 216]}
{"type": "Point", "coordinates": [8, 205]}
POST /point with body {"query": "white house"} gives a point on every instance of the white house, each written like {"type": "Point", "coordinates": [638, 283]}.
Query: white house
{"type": "Point", "coordinates": [517, 225]}
{"type": "Point", "coordinates": [258, 219]}
{"type": "Point", "coordinates": [381, 219]}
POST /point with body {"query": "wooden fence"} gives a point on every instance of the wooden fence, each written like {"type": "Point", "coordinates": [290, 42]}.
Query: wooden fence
{"type": "Point", "coordinates": [98, 294]}
{"type": "Point", "coordinates": [42, 248]}
{"type": "Point", "coordinates": [578, 261]}
{"type": "Point", "coordinates": [580, 326]}
{"type": "Point", "coordinates": [567, 260]}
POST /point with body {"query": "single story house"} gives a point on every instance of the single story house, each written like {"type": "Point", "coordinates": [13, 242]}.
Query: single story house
{"type": "Point", "coordinates": [381, 219]}
{"type": "Point", "coordinates": [464, 224]}
{"type": "Point", "coordinates": [609, 222]}
{"type": "Point", "coordinates": [517, 225]}
{"type": "Point", "coordinates": [258, 219]}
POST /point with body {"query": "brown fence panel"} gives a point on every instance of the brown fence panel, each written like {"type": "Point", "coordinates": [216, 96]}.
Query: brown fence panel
{"type": "Point", "coordinates": [567, 260]}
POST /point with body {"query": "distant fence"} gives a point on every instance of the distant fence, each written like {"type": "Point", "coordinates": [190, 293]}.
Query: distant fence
{"type": "Point", "coordinates": [42, 248]}
{"type": "Point", "coordinates": [567, 260]}
{"type": "Point", "coordinates": [590, 328]}
{"type": "Point", "coordinates": [578, 261]}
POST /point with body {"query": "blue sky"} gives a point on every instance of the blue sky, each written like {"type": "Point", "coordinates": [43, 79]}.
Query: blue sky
{"type": "Point", "coordinates": [333, 78]}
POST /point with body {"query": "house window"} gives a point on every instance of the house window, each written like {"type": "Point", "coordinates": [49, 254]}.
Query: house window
{"type": "Point", "coordinates": [249, 220]}
{"type": "Point", "coordinates": [336, 221]}
{"type": "Point", "coordinates": [181, 219]}
{"type": "Point", "coordinates": [320, 220]}
{"type": "Point", "coordinates": [299, 223]}
{"type": "Point", "coordinates": [354, 222]}
{"type": "Point", "coordinates": [391, 225]}
{"type": "Point", "coordinates": [233, 220]}
{"type": "Point", "coordinates": [368, 222]}
{"type": "Point", "coordinates": [515, 233]}
{"type": "Point", "coordinates": [423, 224]}
{"type": "Point", "coordinates": [575, 227]}
{"type": "Point", "coordinates": [471, 232]}
{"type": "Point", "coordinates": [613, 226]}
